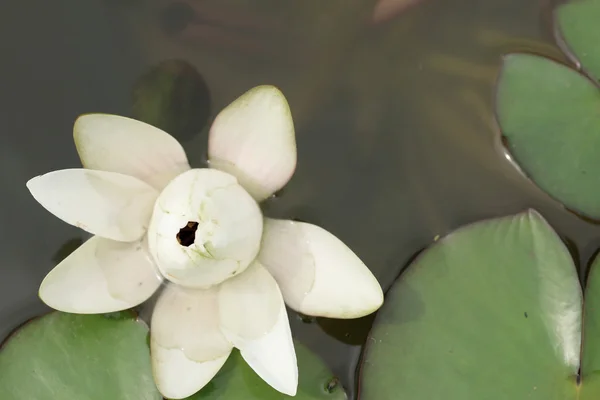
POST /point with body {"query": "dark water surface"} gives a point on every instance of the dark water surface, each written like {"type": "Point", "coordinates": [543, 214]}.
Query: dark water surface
{"type": "Point", "coordinates": [396, 137]}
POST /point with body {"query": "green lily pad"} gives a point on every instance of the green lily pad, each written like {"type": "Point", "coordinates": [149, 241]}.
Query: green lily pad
{"type": "Point", "coordinates": [493, 311]}
{"type": "Point", "coordinates": [578, 24]}
{"type": "Point", "coordinates": [84, 357]}
{"type": "Point", "coordinates": [590, 355]}
{"type": "Point", "coordinates": [99, 357]}
{"type": "Point", "coordinates": [549, 116]}
{"type": "Point", "coordinates": [237, 381]}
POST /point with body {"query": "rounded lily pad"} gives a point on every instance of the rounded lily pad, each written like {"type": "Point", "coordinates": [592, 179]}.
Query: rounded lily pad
{"type": "Point", "coordinates": [549, 115]}
{"type": "Point", "coordinates": [493, 311]}
{"type": "Point", "coordinates": [578, 24]}
{"type": "Point", "coordinates": [68, 356]}
{"type": "Point", "coordinates": [237, 381]}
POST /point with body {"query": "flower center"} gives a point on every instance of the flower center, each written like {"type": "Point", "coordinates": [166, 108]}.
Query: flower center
{"type": "Point", "coordinates": [204, 229]}
{"type": "Point", "coordinates": [187, 234]}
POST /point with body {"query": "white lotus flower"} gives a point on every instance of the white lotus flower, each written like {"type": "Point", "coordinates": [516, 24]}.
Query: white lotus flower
{"type": "Point", "coordinates": [227, 270]}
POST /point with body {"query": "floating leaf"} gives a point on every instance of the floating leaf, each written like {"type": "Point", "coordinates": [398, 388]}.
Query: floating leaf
{"type": "Point", "coordinates": [578, 24]}
{"type": "Point", "coordinates": [590, 357]}
{"type": "Point", "coordinates": [493, 311]}
{"type": "Point", "coordinates": [98, 357]}
{"type": "Point", "coordinates": [67, 356]}
{"type": "Point", "coordinates": [549, 116]}
{"type": "Point", "coordinates": [236, 381]}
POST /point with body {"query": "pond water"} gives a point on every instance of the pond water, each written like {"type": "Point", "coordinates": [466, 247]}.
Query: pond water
{"type": "Point", "coordinates": [396, 135]}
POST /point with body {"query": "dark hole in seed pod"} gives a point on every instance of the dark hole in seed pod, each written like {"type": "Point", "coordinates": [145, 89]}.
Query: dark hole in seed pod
{"type": "Point", "coordinates": [187, 234]}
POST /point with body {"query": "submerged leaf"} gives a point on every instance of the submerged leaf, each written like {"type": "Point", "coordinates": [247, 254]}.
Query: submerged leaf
{"type": "Point", "coordinates": [174, 97]}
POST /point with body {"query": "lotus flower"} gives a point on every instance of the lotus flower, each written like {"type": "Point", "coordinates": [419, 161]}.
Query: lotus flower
{"type": "Point", "coordinates": [226, 270]}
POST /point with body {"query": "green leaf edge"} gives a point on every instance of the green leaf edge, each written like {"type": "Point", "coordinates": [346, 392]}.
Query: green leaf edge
{"type": "Point", "coordinates": [507, 59]}
{"type": "Point", "coordinates": [563, 42]}
{"type": "Point", "coordinates": [593, 376]}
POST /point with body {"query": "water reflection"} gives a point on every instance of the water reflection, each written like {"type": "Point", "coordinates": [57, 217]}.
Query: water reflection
{"type": "Point", "coordinates": [396, 136]}
{"type": "Point", "coordinates": [386, 10]}
{"type": "Point", "coordinates": [235, 44]}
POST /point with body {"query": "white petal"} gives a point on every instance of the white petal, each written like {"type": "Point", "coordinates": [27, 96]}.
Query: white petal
{"type": "Point", "coordinates": [205, 228]}
{"type": "Point", "coordinates": [119, 144]}
{"type": "Point", "coordinates": [253, 138]}
{"type": "Point", "coordinates": [106, 204]}
{"type": "Point", "coordinates": [263, 331]}
{"type": "Point", "coordinates": [101, 276]}
{"type": "Point", "coordinates": [249, 303]}
{"type": "Point", "coordinates": [177, 376]}
{"type": "Point", "coordinates": [188, 319]}
{"type": "Point", "coordinates": [317, 273]}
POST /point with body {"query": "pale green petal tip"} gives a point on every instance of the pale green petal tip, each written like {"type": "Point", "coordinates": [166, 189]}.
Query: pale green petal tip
{"type": "Point", "coordinates": [368, 307]}
{"type": "Point", "coordinates": [273, 92]}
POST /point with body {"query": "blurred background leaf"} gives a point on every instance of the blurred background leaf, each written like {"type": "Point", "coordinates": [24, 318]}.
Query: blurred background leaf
{"type": "Point", "coordinates": [174, 97]}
